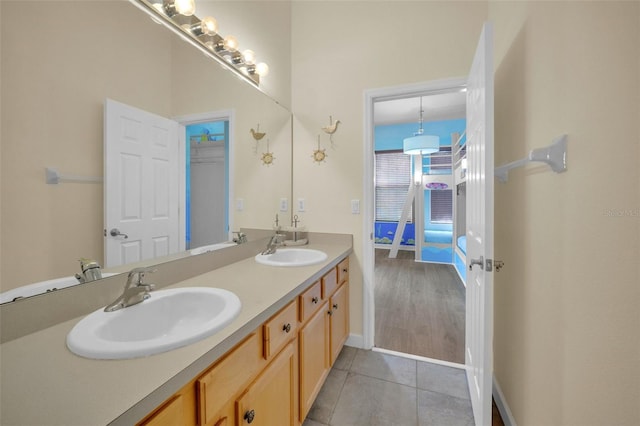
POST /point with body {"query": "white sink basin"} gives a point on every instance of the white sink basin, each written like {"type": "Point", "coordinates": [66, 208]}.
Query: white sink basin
{"type": "Point", "coordinates": [42, 287]}
{"type": "Point", "coordinates": [167, 320]}
{"type": "Point", "coordinates": [292, 257]}
{"type": "Point", "coordinates": [211, 247]}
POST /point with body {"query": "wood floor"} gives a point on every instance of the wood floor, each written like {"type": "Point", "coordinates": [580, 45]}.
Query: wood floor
{"type": "Point", "coordinates": [419, 307]}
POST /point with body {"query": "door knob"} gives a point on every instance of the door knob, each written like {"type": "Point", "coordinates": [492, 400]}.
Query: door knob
{"type": "Point", "coordinates": [115, 232]}
{"type": "Point", "coordinates": [477, 262]}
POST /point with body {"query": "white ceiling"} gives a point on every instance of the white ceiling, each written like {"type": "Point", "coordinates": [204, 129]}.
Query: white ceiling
{"type": "Point", "coordinates": [436, 107]}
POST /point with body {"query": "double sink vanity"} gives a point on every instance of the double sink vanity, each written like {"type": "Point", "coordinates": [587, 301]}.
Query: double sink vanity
{"type": "Point", "coordinates": [261, 341]}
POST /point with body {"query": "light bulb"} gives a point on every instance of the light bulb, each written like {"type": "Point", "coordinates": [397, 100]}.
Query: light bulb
{"type": "Point", "coordinates": [262, 69]}
{"type": "Point", "coordinates": [185, 7]}
{"type": "Point", "coordinates": [209, 25]}
{"type": "Point", "coordinates": [249, 57]}
{"type": "Point", "coordinates": [230, 43]}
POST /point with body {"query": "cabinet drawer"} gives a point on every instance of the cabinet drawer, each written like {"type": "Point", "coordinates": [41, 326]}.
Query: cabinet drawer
{"type": "Point", "coordinates": [228, 377]}
{"type": "Point", "coordinates": [329, 283]}
{"type": "Point", "coordinates": [310, 301]}
{"type": "Point", "coordinates": [171, 414]}
{"type": "Point", "coordinates": [343, 271]}
{"type": "Point", "coordinates": [280, 329]}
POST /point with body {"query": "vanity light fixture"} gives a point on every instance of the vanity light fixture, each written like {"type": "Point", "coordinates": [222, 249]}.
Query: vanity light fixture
{"type": "Point", "coordinates": [419, 143]}
{"type": "Point", "coordinates": [179, 17]}
{"type": "Point", "coordinates": [208, 26]}
{"type": "Point", "coordinates": [181, 7]}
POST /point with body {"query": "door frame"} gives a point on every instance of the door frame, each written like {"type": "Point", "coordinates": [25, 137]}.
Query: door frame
{"type": "Point", "coordinates": [205, 117]}
{"type": "Point", "coordinates": [368, 252]}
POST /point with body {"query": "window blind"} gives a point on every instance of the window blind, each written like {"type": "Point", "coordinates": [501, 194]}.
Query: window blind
{"type": "Point", "coordinates": [392, 181]}
{"type": "Point", "coordinates": [442, 206]}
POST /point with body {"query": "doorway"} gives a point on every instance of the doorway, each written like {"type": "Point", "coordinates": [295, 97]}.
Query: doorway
{"type": "Point", "coordinates": [418, 303]}
{"type": "Point", "coordinates": [207, 182]}
{"type": "Point", "coordinates": [207, 177]}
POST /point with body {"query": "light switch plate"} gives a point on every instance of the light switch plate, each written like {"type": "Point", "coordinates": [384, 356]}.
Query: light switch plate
{"type": "Point", "coordinates": [301, 204]}
{"type": "Point", "coordinates": [239, 204]}
{"type": "Point", "coordinates": [355, 206]}
{"type": "Point", "coordinates": [284, 204]}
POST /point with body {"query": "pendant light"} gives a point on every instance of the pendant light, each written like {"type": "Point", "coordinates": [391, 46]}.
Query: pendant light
{"type": "Point", "coordinates": [420, 144]}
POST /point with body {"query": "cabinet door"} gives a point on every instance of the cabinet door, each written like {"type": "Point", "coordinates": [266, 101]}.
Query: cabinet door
{"type": "Point", "coordinates": [314, 358]}
{"type": "Point", "coordinates": [339, 320]}
{"type": "Point", "coordinates": [218, 386]}
{"type": "Point", "coordinates": [269, 401]}
{"type": "Point", "coordinates": [170, 414]}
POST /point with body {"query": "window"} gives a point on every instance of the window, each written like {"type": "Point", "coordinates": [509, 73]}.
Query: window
{"type": "Point", "coordinates": [393, 178]}
{"type": "Point", "coordinates": [442, 206]}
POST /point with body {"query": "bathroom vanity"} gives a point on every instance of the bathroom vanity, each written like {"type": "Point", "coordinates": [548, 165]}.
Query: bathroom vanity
{"type": "Point", "coordinates": [265, 368]}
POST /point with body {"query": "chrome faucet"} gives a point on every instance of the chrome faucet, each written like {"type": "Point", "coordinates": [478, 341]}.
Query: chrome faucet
{"type": "Point", "coordinates": [90, 271]}
{"type": "Point", "coordinates": [275, 241]}
{"type": "Point", "coordinates": [240, 237]}
{"type": "Point", "coordinates": [135, 290]}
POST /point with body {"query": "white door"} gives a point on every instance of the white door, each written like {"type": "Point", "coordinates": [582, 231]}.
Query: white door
{"type": "Point", "coordinates": [141, 185]}
{"type": "Point", "coordinates": [479, 310]}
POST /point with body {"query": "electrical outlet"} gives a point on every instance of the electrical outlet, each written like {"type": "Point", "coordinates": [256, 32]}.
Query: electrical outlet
{"type": "Point", "coordinates": [355, 206]}
{"type": "Point", "coordinates": [284, 204]}
{"type": "Point", "coordinates": [239, 204]}
{"type": "Point", "coordinates": [301, 205]}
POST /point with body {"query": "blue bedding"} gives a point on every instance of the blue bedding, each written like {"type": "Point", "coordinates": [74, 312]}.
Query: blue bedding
{"type": "Point", "coordinates": [462, 243]}
{"type": "Point", "coordinates": [438, 237]}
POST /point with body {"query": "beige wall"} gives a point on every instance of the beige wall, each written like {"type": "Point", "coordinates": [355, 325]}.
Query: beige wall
{"type": "Point", "coordinates": [340, 49]}
{"type": "Point", "coordinates": [566, 303]}
{"type": "Point", "coordinates": [53, 88]}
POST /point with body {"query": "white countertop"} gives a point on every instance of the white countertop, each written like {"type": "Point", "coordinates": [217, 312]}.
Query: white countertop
{"type": "Point", "coordinates": [43, 383]}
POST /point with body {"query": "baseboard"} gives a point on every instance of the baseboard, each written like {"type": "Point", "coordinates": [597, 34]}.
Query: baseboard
{"type": "Point", "coordinates": [355, 341]}
{"type": "Point", "coordinates": [501, 403]}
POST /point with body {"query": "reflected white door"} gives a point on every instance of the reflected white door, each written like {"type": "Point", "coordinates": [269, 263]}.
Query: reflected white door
{"type": "Point", "coordinates": [141, 184]}
{"type": "Point", "coordinates": [479, 304]}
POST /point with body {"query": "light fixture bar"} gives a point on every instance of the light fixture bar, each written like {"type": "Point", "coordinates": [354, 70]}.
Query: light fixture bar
{"type": "Point", "coordinates": [182, 30]}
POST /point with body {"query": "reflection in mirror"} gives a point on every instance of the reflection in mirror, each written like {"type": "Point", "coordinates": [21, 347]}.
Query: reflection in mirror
{"type": "Point", "coordinates": [52, 116]}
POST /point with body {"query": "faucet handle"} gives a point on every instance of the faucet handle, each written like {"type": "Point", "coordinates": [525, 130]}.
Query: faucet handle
{"type": "Point", "coordinates": [240, 238]}
{"type": "Point", "coordinates": [140, 273]}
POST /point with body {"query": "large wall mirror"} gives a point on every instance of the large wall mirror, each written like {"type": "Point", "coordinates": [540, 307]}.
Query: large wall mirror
{"type": "Point", "coordinates": [60, 61]}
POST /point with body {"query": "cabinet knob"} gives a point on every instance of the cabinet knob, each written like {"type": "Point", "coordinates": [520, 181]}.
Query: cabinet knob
{"type": "Point", "coordinates": [345, 270]}
{"type": "Point", "coordinates": [249, 415]}
{"type": "Point", "coordinates": [286, 328]}
{"type": "Point", "coordinates": [314, 300]}
{"type": "Point", "coordinates": [329, 312]}
{"type": "Point", "coordinates": [335, 306]}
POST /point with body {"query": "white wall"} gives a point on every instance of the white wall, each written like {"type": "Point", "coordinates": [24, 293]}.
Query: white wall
{"type": "Point", "coordinates": [567, 345]}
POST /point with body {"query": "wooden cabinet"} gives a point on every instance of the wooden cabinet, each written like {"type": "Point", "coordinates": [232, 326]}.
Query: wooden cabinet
{"type": "Point", "coordinates": [322, 337]}
{"type": "Point", "coordinates": [280, 329]}
{"type": "Point", "coordinates": [339, 321]}
{"type": "Point", "coordinates": [172, 413]}
{"type": "Point", "coordinates": [314, 357]}
{"type": "Point", "coordinates": [228, 377]}
{"type": "Point", "coordinates": [270, 400]}
{"type": "Point", "coordinates": [272, 376]}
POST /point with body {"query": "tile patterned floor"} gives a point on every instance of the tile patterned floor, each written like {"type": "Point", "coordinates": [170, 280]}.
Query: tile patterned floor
{"type": "Point", "coordinates": [367, 388]}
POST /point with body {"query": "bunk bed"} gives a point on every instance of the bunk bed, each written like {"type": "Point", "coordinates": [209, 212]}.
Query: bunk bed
{"type": "Point", "coordinates": [460, 205]}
